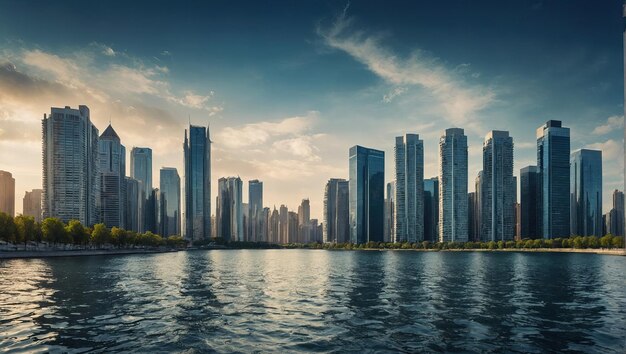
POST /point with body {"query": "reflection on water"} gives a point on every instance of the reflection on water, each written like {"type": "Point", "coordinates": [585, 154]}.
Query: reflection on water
{"type": "Point", "coordinates": [306, 300]}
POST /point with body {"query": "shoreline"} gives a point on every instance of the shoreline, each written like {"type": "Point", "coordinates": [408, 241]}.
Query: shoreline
{"type": "Point", "coordinates": [76, 253]}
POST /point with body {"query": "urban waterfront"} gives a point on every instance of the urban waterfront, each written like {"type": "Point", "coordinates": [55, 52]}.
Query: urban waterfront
{"type": "Point", "coordinates": [315, 300]}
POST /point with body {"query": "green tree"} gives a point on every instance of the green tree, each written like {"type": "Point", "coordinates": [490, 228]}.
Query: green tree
{"type": "Point", "coordinates": [617, 242]}
{"type": "Point", "coordinates": [118, 236]}
{"type": "Point", "coordinates": [53, 230]}
{"type": "Point", "coordinates": [100, 234]}
{"type": "Point", "coordinates": [77, 232]}
{"type": "Point", "coordinates": [8, 231]}
{"type": "Point", "coordinates": [605, 241]}
{"type": "Point", "coordinates": [26, 228]}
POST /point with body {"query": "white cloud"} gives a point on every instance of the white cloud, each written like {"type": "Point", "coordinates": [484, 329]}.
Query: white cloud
{"type": "Point", "coordinates": [612, 123]}
{"type": "Point", "coordinates": [393, 94]}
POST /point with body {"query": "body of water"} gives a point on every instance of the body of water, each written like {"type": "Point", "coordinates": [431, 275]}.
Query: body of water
{"type": "Point", "coordinates": [315, 300]}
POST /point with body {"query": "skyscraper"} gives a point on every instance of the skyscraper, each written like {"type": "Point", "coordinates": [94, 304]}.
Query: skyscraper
{"type": "Point", "coordinates": [530, 203]}
{"type": "Point", "coordinates": [7, 193]}
{"type": "Point", "coordinates": [367, 194]}
{"type": "Point", "coordinates": [431, 209]}
{"type": "Point", "coordinates": [274, 227]}
{"type": "Point", "coordinates": [132, 203]}
{"type": "Point", "coordinates": [471, 217]}
{"type": "Point", "coordinates": [498, 188]}
{"type": "Point", "coordinates": [197, 209]}
{"type": "Point", "coordinates": [283, 224]}
{"type": "Point", "coordinates": [169, 187]}
{"type": "Point", "coordinates": [586, 193]}
{"type": "Point", "coordinates": [453, 215]}
{"type": "Point", "coordinates": [304, 219]}
{"type": "Point", "coordinates": [153, 211]}
{"type": "Point", "coordinates": [141, 170]}
{"type": "Point", "coordinates": [112, 168]}
{"type": "Point", "coordinates": [255, 212]}
{"type": "Point", "coordinates": [71, 188]}
{"type": "Point", "coordinates": [477, 208]}
{"type": "Point", "coordinates": [32, 204]}
{"type": "Point", "coordinates": [229, 214]}
{"type": "Point", "coordinates": [615, 221]}
{"type": "Point", "coordinates": [390, 212]}
{"type": "Point", "coordinates": [409, 208]}
{"type": "Point", "coordinates": [553, 153]}
{"type": "Point", "coordinates": [336, 211]}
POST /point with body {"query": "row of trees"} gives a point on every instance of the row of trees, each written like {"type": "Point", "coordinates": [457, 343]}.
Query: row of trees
{"type": "Point", "coordinates": [577, 242]}
{"type": "Point", "coordinates": [24, 229]}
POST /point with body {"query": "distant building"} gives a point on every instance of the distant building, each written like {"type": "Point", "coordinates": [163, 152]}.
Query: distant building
{"type": "Point", "coordinates": [336, 211]}
{"type": "Point", "coordinates": [586, 193]}
{"type": "Point", "coordinates": [274, 227]}
{"type": "Point", "coordinates": [153, 211]}
{"type": "Point", "coordinates": [169, 187]}
{"type": "Point", "coordinates": [518, 218]}
{"type": "Point", "coordinates": [32, 204]}
{"type": "Point", "coordinates": [283, 224]}
{"type": "Point", "coordinates": [431, 209]}
{"type": "Point", "coordinates": [615, 223]}
{"type": "Point", "coordinates": [293, 225]}
{"type": "Point", "coordinates": [304, 220]}
{"type": "Point", "coordinates": [255, 212]}
{"type": "Point", "coordinates": [498, 188]}
{"type": "Point", "coordinates": [367, 194]}
{"type": "Point", "coordinates": [409, 199]}
{"type": "Point", "coordinates": [530, 203]}
{"type": "Point", "coordinates": [71, 186]}
{"type": "Point", "coordinates": [471, 217]}
{"type": "Point", "coordinates": [132, 201]}
{"type": "Point", "coordinates": [553, 163]}
{"type": "Point", "coordinates": [453, 213]}
{"type": "Point", "coordinates": [112, 169]}
{"type": "Point", "coordinates": [229, 216]}
{"type": "Point", "coordinates": [197, 194]}
{"type": "Point", "coordinates": [477, 208]}
{"type": "Point", "coordinates": [390, 212]}
{"type": "Point", "coordinates": [7, 193]}
{"type": "Point", "coordinates": [141, 170]}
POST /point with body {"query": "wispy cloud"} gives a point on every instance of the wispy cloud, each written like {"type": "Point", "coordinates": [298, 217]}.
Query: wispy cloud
{"type": "Point", "coordinates": [612, 123]}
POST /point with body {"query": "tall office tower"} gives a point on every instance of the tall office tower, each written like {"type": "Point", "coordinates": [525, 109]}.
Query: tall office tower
{"type": "Point", "coordinates": [431, 209]}
{"type": "Point", "coordinates": [498, 188]}
{"type": "Point", "coordinates": [274, 227]}
{"type": "Point", "coordinates": [229, 214]}
{"type": "Point", "coordinates": [132, 203]}
{"type": "Point", "coordinates": [586, 193]}
{"type": "Point", "coordinates": [409, 213]}
{"type": "Point", "coordinates": [71, 188]}
{"type": "Point", "coordinates": [336, 211]}
{"type": "Point", "coordinates": [518, 220]}
{"type": "Point", "coordinates": [264, 225]}
{"type": "Point", "coordinates": [197, 195]}
{"type": "Point", "coordinates": [367, 194]}
{"type": "Point", "coordinates": [292, 227]}
{"type": "Point", "coordinates": [255, 212]}
{"type": "Point", "coordinates": [246, 221]}
{"type": "Point", "coordinates": [617, 214]}
{"type": "Point", "coordinates": [141, 170]}
{"type": "Point", "coordinates": [553, 152]}
{"type": "Point", "coordinates": [112, 168]}
{"type": "Point", "coordinates": [152, 211]}
{"type": "Point", "coordinates": [32, 204]}
{"type": "Point", "coordinates": [453, 186]}
{"type": "Point", "coordinates": [316, 231]}
{"type": "Point", "coordinates": [7, 193]}
{"type": "Point", "coordinates": [304, 218]}
{"type": "Point", "coordinates": [389, 212]}
{"type": "Point", "coordinates": [478, 182]}
{"type": "Point", "coordinates": [283, 224]}
{"type": "Point", "coordinates": [169, 186]}
{"type": "Point", "coordinates": [530, 202]}
{"type": "Point", "coordinates": [471, 216]}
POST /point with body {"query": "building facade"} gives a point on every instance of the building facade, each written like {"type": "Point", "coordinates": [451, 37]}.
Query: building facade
{"type": "Point", "coordinates": [431, 209]}
{"type": "Point", "coordinates": [112, 163]}
{"type": "Point", "coordinates": [7, 193]}
{"type": "Point", "coordinates": [453, 213]}
{"type": "Point", "coordinates": [169, 187]}
{"type": "Point", "coordinates": [229, 214]}
{"type": "Point", "coordinates": [586, 193]}
{"type": "Point", "coordinates": [197, 195]}
{"type": "Point", "coordinates": [367, 194]}
{"type": "Point", "coordinates": [32, 204]}
{"type": "Point", "coordinates": [336, 211]}
{"type": "Point", "coordinates": [390, 212]}
{"type": "Point", "coordinates": [141, 170]}
{"type": "Point", "coordinates": [255, 211]}
{"type": "Point", "coordinates": [71, 188]}
{"type": "Point", "coordinates": [530, 203]}
{"type": "Point", "coordinates": [409, 199]}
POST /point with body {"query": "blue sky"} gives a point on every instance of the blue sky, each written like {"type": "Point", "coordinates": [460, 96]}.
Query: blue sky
{"type": "Point", "coordinates": [289, 86]}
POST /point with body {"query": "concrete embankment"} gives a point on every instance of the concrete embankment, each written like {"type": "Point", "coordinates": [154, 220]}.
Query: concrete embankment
{"type": "Point", "coordinates": [77, 253]}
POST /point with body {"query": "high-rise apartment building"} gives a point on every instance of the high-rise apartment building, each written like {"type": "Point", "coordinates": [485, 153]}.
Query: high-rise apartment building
{"type": "Point", "coordinates": [431, 209]}
{"type": "Point", "coordinates": [367, 194]}
{"type": "Point", "coordinates": [409, 199]}
{"type": "Point", "coordinates": [132, 201]}
{"type": "Point", "coordinates": [112, 169]}
{"type": "Point", "coordinates": [498, 188]}
{"type": "Point", "coordinates": [141, 170]}
{"type": "Point", "coordinates": [169, 187]}
{"type": "Point", "coordinates": [336, 211]}
{"type": "Point", "coordinates": [7, 193]}
{"type": "Point", "coordinates": [453, 213]}
{"type": "Point", "coordinates": [586, 193]}
{"type": "Point", "coordinates": [71, 186]}
{"type": "Point", "coordinates": [390, 212]}
{"type": "Point", "coordinates": [255, 211]}
{"type": "Point", "coordinates": [197, 195]}
{"type": "Point", "coordinates": [229, 214]}
{"type": "Point", "coordinates": [530, 203]}
{"type": "Point", "coordinates": [32, 204]}
{"type": "Point", "coordinates": [553, 163]}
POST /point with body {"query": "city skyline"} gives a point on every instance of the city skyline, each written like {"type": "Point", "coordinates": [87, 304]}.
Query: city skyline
{"type": "Point", "coordinates": [296, 144]}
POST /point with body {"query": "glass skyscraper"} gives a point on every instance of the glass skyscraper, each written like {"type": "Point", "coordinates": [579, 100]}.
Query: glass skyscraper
{"type": "Point", "coordinates": [390, 211]}
{"type": "Point", "coordinates": [71, 186]}
{"type": "Point", "coordinates": [141, 170]}
{"type": "Point", "coordinates": [367, 194]}
{"type": "Point", "coordinates": [336, 211]}
{"type": "Point", "coordinates": [586, 193]}
{"type": "Point", "coordinates": [229, 214]}
{"type": "Point", "coordinates": [169, 187]}
{"type": "Point", "coordinates": [409, 208]}
{"type": "Point", "coordinates": [7, 193]}
{"type": "Point", "coordinates": [255, 211]}
{"type": "Point", "coordinates": [112, 162]}
{"type": "Point", "coordinates": [431, 209]}
{"type": "Point", "coordinates": [530, 203]}
{"type": "Point", "coordinates": [132, 203]}
{"type": "Point", "coordinates": [197, 209]}
{"type": "Point", "coordinates": [498, 188]}
{"type": "Point", "coordinates": [553, 162]}
{"type": "Point", "coordinates": [453, 214]}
